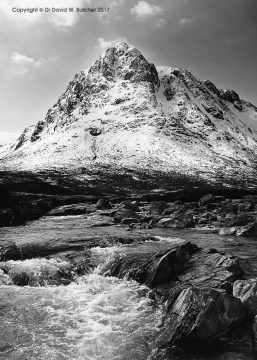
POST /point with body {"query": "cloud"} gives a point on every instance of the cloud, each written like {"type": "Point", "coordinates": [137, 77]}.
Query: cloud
{"type": "Point", "coordinates": [7, 137]}
{"type": "Point", "coordinates": [185, 21]}
{"type": "Point", "coordinates": [160, 23]}
{"type": "Point", "coordinates": [114, 11]}
{"type": "Point", "coordinates": [21, 64]}
{"type": "Point", "coordinates": [61, 20]}
{"type": "Point", "coordinates": [104, 44]}
{"type": "Point", "coordinates": [143, 10]}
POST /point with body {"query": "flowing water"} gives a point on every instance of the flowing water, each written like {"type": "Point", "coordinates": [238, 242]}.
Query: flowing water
{"type": "Point", "coordinates": [93, 317]}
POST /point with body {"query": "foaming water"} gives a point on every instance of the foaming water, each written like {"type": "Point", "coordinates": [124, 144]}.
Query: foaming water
{"type": "Point", "coordinates": [36, 272]}
{"type": "Point", "coordinates": [97, 318]}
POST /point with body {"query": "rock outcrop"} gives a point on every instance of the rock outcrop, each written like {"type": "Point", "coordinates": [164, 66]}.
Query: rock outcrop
{"type": "Point", "coordinates": [200, 314]}
{"type": "Point", "coordinates": [194, 285]}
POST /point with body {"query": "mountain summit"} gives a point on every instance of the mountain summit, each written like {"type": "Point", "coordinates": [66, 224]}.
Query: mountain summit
{"type": "Point", "coordinates": [126, 114]}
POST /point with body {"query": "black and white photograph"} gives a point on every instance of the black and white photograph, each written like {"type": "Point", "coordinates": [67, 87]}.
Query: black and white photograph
{"type": "Point", "coordinates": [128, 180]}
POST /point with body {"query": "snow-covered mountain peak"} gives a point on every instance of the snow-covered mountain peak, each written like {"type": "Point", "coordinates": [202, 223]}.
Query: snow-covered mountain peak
{"type": "Point", "coordinates": [123, 112]}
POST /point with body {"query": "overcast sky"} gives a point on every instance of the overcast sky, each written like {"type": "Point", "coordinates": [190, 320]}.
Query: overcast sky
{"type": "Point", "coordinates": [40, 53]}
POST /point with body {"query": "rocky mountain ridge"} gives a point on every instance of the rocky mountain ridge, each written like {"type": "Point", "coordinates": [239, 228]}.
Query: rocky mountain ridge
{"type": "Point", "coordinates": [123, 113]}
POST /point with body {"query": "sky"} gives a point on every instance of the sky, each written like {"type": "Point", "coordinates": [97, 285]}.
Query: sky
{"type": "Point", "coordinates": [41, 52]}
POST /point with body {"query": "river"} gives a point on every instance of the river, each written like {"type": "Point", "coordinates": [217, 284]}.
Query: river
{"type": "Point", "coordinates": [93, 317]}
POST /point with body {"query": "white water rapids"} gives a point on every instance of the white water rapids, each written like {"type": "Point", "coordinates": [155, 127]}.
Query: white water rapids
{"type": "Point", "coordinates": [93, 318]}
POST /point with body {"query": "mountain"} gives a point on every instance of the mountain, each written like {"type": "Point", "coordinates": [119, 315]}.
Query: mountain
{"type": "Point", "coordinates": [125, 115]}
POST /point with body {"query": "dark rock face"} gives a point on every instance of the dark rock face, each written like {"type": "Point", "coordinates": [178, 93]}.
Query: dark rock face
{"type": "Point", "coordinates": [22, 138]}
{"type": "Point", "coordinates": [184, 263]}
{"type": "Point", "coordinates": [200, 314]}
{"type": "Point", "coordinates": [38, 129]}
{"type": "Point", "coordinates": [123, 57]}
{"type": "Point", "coordinates": [246, 291]}
{"type": "Point", "coordinates": [238, 220]}
{"type": "Point", "coordinates": [230, 95]}
{"type": "Point", "coordinates": [152, 269]}
{"type": "Point", "coordinates": [212, 87]}
{"type": "Point", "coordinates": [94, 131]}
{"type": "Point", "coordinates": [215, 112]}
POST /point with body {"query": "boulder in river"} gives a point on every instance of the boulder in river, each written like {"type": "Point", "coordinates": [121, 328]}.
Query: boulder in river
{"type": "Point", "coordinates": [200, 314]}
{"type": "Point", "coordinates": [185, 263]}
{"type": "Point", "coordinates": [157, 207]}
{"type": "Point", "coordinates": [248, 231]}
{"type": "Point", "coordinates": [126, 210]}
{"type": "Point", "coordinates": [152, 268]}
{"type": "Point", "coordinates": [73, 209]}
{"type": "Point", "coordinates": [246, 291]}
{"type": "Point", "coordinates": [177, 221]}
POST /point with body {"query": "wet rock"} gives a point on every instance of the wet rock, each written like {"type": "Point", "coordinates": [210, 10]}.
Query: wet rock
{"type": "Point", "coordinates": [157, 207]}
{"type": "Point", "coordinates": [179, 207]}
{"type": "Point", "coordinates": [177, 221]}
{"type": "Point", "coordinates": [238, 220]}
{"type": "Point", "coordinates": [246, 291]}
{"type": "Point", "coordinates": [210, 268]}
{"type": "Point", "coordinates": [103, 204]}
{"type": "Point", "coordinates": [151, 269]}
{"type": "Point", "coordinates": [127, 205]}
{"type": "Point", "coordinates": [126, 210]}
{"type": "Point", "coordinates": [128, 221]}
{"type": "Point", "coordinates": [207, 230]}
{"type": "Point", "coordinates": [248, 231]}
{"type": "Point", "coordinates": [185, 265]}
{"type": "Point", "coordinates": [97, 220]}
{"type": "Point", "coordinates": [73, 209]}
{"type": "Point", "coordinates": [200, 314]}
{"type": "Point", "coordinates": [124, 213]}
